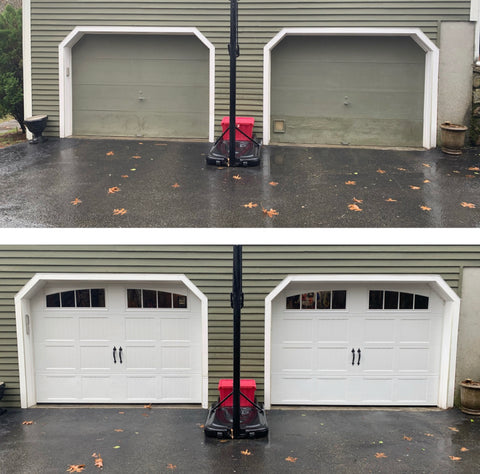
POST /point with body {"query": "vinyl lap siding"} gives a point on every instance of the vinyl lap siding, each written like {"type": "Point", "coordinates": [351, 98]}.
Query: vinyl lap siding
{"type": "Point", "coordinates": [259, 21]}
{"type": "Point", "coordinates": [210, 269]}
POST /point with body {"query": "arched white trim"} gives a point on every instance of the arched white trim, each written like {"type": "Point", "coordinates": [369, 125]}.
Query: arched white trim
{"type": "Point", "coordinates": [65, 66]}
{"type": "Point", "coordinates": [22, 315]}
{"type": "Point", "coordinates": [437, 284]}
{"type": "Point", "coordinates": [431, 71]}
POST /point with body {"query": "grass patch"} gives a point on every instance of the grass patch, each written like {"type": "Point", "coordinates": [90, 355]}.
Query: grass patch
{"type": "Point", "coordinates": [11, 138]}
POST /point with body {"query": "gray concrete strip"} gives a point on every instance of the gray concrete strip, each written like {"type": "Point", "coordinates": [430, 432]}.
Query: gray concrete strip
{"type": "Point", "coordinates": [127, 183]}
{"type": "Point", "coordinates": [164, 440]}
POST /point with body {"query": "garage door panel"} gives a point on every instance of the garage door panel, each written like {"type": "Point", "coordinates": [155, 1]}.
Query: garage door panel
{"type": "Point", "coordinates": [332, 359]}
{"type": "Point", "coordinates": [415, 360]}
{"type": "Point", "coordinates": [95, 358]}
{"type": "Point", "coordinates": [332, 330]}
{"type": "Point", "coordinates": [294, 357]}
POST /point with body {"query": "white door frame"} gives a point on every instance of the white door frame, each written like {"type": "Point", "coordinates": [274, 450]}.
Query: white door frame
{"type": "Point", "coordinates": [431, 70]}
{"type": "Point", "coordinates": [65, 66]}
{"type": "Point", "coordinates": [437, 284]}
{"type": "Point", "coordinates": [23, 321]}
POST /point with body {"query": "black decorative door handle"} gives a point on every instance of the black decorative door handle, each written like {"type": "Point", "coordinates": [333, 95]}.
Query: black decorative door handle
{"type": "Point", "coordinates": [114, 352]}
{"type": "Point", "coordinates": [120, 354]}
{"type": "Point", "coordinates": [353, 356]}
{"type": "Point", "coordinates": [359, 355]}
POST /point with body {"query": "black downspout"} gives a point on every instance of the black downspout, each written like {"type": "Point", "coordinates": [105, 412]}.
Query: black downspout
{"type": "Point", "coordinates": [234, 53]}
{"type": "Point", "coordinates": [237, 304]}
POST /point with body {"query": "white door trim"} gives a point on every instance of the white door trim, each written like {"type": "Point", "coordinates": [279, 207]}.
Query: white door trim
{"type": "Point", "coordinates": [431, 70]}
{"type": "Point", "coordinates": [66, 73]}
{"type": "Point", "coordinates": [23, 323]}
{"type": "Point", "coordinates": [437, 284]}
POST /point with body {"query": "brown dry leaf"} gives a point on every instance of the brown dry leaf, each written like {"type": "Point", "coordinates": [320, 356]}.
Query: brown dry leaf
{"type": "Point", "coordinates": [273, 183]}
{"type": "Point", "coordinates": [453, 429]}
{"type": "Point", "coordinates": [224, 440]}
{"type": "Point", "coordinates": [98, 460]}
{"type": "Point", "coordinates": [469, 176]}
{"type": "Point", "coordinates": [140, 143]}
{"type": "Point", "coordinates": [121, 413]}
{"type": "Point", "coordinates": [380, 455]}
{"type": "Point", "coordinates": [426, 181]}
{"type": "Point", "coordinates": [250, 205]}
{"type": "Point", "coordinates": [381, 171]}
{"type": "Point", "coordinates": [246, 452]}
{"type": "Point", "coordinates": [270, 212]}
{"type": "Point", "coordinates": [350, 183]}
{"type": "Point", "coordinates": [149, 406]}
{"type": "Point", "coordinates": [145, 414]}
{"type": "Point", "coordinates": [426, 165]}
{"type": "Point", "coordinates": [354, 207]}
{"type": "Point", "coordinates": [456, 171]}
{"type": "Point", "coordinates": [136, 157]}
{"type": "Point", "coordinates": [76, 202]}
{"type": "Point", "coordinates": [474, 168]}
{"type": "Point", "coordinates": [118, 430]}
{"type": "Point", "coordinates": [463, 450]}
{"type": "Point", "coordinates": [408, 438]}
{"type": "Point", "coordinates": [414, 187]}
{"type": "Point", "coordinates": [27, 423]}
{"type": "Point", "coordinates": [119, 212]}
{"type": "Point", "coordinates": [454, 458]}
{"type": "Point", "coordinates": [171, 466]}
{"type": "Point", "coordinates": [113, 190]}
{"type": "Point", "coordinates": [357, 200]}
{"type": "Point", "coordinates": [201, 426]}
{"type": "Point", "coordinates": [110, 153]}
{"type": "Point", "coordinates": [76, 467]}
{"type": "Point", "coordinates": [429, 434]}
{"type": "Point", "coordinates": [237, 177]}
{"type": "Point", "coordinates": [425, 208]}
{"type": "Point", "coordinates": [291, 459]}
{"type": "Point", "coordinates": [124, 176]}
{"type": "Point", "coordinates": [468, 204]}
{"type": "Point", "coordinates": [401, 169]}
{"type": "Point", "coordinates": [390, 200]}
{"type": "Point", "coordinates": [176, 185]}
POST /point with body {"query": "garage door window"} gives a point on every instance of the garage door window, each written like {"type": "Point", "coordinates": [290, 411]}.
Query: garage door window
{"type": "Point", "coordinates": [143, 298]}
{"type": "Point", "coordinates": [380, 299]}
{"type": "Point", "coordinates": [84, 298]}
{"type": "Point", "coordinates": [336, 299]}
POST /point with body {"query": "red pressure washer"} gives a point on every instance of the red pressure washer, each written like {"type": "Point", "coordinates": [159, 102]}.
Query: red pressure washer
{"type": "Point", "coordinates": [236, 146]}
{"type": "Point", "coordinates": [232, 416]}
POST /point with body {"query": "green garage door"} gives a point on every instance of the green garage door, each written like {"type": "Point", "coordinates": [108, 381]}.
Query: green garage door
{"type": "Point", "coordinates": [140, 86]}
{"type": "Point", "coordinates": [348, 90]}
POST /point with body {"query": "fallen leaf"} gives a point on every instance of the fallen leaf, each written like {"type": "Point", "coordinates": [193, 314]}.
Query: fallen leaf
{"type": "Point", "coordinates": [453, 429]}
{"type": "Point", "coordinates": [270, 212]}
{"type": "Point", "coordinates": [118, 430]}
{"type": "Point", "coordinates": [145, 414]}
{"type": "Point", "coordinates": [474, 168]}
{"type": "Point", "coordinates": [113, 190]}
{"type": "Point", "coordinates": [273, 183]}
{"type": "Point", "coordinates": [414, 187]}
{"type": "Point", "coordinates": [380, 455]}
{"type": "Point", "coordinates": [237, 177]}
{"type": "Point", "coordinates": [354, 207]}
{"type": "Point", "coordinates": [290, 459]}
{"type": "Point", "coordinates": [176, 185]}
{"type": "Point", "coordinates": [469, 176]}
{"type": "Point", "coordinates": [202, 426]}
{"type": "Point", "coordinates": [140, 143]}
{"type": "Point", "coordinates": [390, 200]}
{"type": "Point", "coordinates": [76, 467]}
{"type": "Point", "coordinates": [456, 171]}
{"type": "Point", "coordinates": [357, 200]}
{"type": "Point", "coordinates": [76, 202]}
{"type": "Point", "coordinates": [224, 440]}
{"type": "Point", "coordinates": [98, 460]}
{"type": "Point", "coordinates": [381, 171]}
{"type": "Point", "coordinates": [468, 204]}
{"type": "Point", "coordinates": [250, 205]}
{"type": "Point", "coordinates": [121, 413]}
{"type": "Point", "coordinates": [463, 450]}
{"type": "Point", "coordinates": [136, 157]}
{"type": "Point", "coordinates": [401, 169]}
{"type": "Point", "coordinates": [350, 183]}
{"type": "Point", "coordinates": [124, 176]}
{"type": "Point", "coordinates": [149, 406]}
{"type": "Point", "coordinates": [133, 169]}
{"type": "Point", "coordinates": [425, 208]}
{"type": "Point", "coordinates": [429, 434]}
{"type": "Point", "coordinates": [119, 212]}
{"type": "Point", "coordinates": [171, 466]}
{"type": "Point", "coordinates": [246, 452]}
{"type": "Point", "coordinates": [116, 447]}
{"type": "Point", "coordinates": [454, 458]}
{"type": "Point", "coordinates": [426, 181]}
{"type": "Point", "coordinates": [110, 153]}
{"type": "Point", "coordinates": [408, 438]}
{"type": "Point", "coordinates": [27, 423]}
{"type": "Point", "coordinates": [426, 165]}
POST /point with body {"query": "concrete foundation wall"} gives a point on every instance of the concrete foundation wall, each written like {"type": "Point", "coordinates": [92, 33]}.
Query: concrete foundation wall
{"type": "Point", "coordinates": [468, 353]}
{"type": "Point", "coordinates": [455, 72]}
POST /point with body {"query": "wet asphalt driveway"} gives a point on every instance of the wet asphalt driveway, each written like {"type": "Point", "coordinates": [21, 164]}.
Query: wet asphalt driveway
{"type": "Point", "coordinates": [165, 440]}
{"type": "Point", "coordinates": [127, 183]}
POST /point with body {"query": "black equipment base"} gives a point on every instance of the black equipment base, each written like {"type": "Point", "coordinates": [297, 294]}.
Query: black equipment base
{"type": "Point", "coordinates": [247, 153]}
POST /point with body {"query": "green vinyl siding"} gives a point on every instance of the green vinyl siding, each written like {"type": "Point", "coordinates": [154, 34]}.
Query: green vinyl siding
{"type": "Point", "coordinates": [259, 22]}
{"type": "Point", "coordinates": [210, 269]}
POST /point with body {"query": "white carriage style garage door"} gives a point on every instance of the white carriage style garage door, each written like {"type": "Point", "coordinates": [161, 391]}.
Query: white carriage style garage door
{"type": "Point", "coordinates": [362, 344]}
{"type": "Point", "coordinates": [117, 343]}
